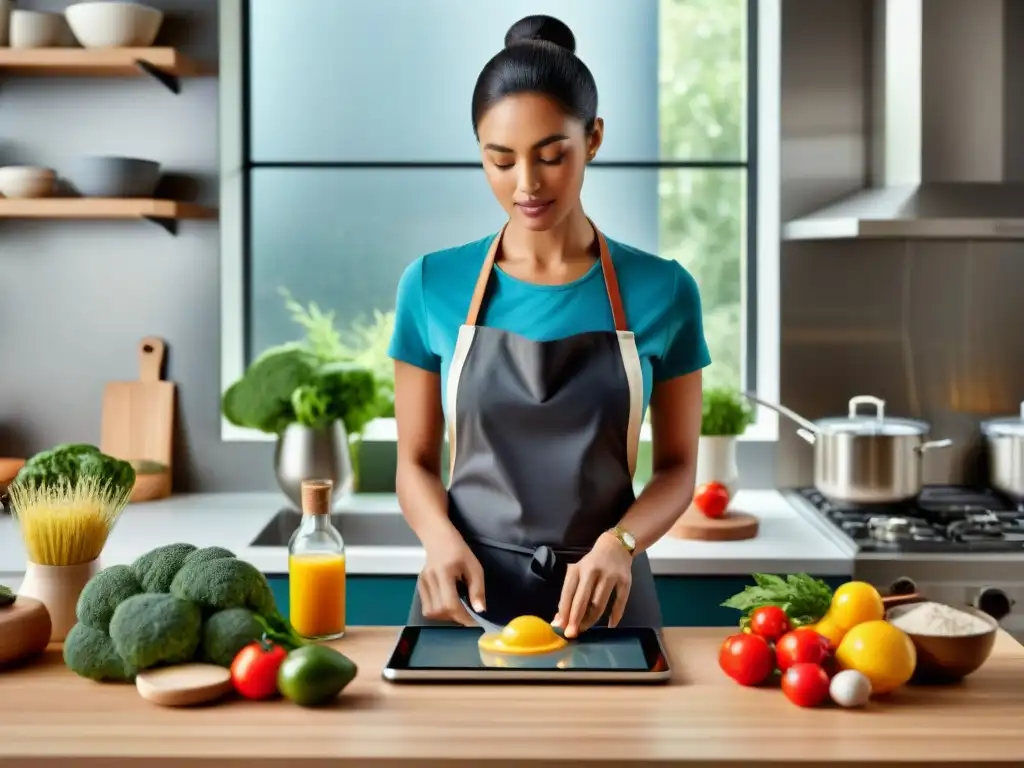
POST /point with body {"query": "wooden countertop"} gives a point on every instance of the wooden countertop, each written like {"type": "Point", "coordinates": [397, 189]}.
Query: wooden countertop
{"type": "Point", "coordinates": [49, 717]}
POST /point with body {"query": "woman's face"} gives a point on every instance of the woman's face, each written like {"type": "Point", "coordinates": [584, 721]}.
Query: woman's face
{"type": "Point", "coordinates": [534, 155]}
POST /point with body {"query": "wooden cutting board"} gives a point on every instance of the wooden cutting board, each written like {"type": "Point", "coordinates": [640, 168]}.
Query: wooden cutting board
{"type": "Point", "coordinates": [733, 526]}
{"type": "Point", "coordinates": [138, 416]}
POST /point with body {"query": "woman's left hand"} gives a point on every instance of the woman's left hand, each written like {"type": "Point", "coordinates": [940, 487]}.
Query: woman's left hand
{"type": "Point", "coordinates": [589, 584]}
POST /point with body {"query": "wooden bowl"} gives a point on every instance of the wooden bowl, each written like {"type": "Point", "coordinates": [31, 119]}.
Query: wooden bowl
{"type": "Point", "coordinates": [9, 469]}
{"type": "Point", "coordinates": [946, 659]}
{"type": "Point", "coordinates": [151, 486]}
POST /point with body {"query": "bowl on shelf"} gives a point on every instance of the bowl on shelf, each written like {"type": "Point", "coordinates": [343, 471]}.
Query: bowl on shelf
{"type": "Point", "coordinates": [113, 176]}
{"type": "Point", "coordinates": [24, 181]}
{"type": "Point", "coordinates": [946, 653]}
{"type": "Point", "coordinates": [114, 24]}
{"type": "Point", "coordinates": [152, 481]}
{"type": "Point", "coordinates": [34, 29]}
{"type": "Point", "coordinates": [9, 469]}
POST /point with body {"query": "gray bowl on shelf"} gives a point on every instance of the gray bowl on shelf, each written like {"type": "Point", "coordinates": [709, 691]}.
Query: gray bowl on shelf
{"type": "Point", "coordinates": [113, 176]}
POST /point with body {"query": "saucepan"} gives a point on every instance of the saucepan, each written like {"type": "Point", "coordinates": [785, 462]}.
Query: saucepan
{"type": "Point", "coordinates": [865, 458]}
{"type": "Point", "coordinates": [1005, 437]}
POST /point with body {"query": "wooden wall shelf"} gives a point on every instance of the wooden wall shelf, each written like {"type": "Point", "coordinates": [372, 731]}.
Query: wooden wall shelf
{"type": "Point", "coordinates": [166, 65]}
{"type": "Point", "coordinates": [166, 213]}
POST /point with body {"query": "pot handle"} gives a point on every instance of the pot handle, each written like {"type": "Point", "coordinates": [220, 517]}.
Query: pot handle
{"type": "Point", "coordinates": [807, 435]}
{"type": "Point", "coordinates": [930, 444]}
{"type": "Point", "coordinates": [859, 400]}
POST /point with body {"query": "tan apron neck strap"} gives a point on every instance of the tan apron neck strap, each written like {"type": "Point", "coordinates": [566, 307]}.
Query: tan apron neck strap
{"type": "Point", "coordinates": [611, 280]}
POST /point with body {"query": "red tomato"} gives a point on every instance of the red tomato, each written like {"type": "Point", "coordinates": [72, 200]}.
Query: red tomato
{"type": "Point", "coordinates": [254, 669]}
{"type": "Point", "coordinates": [806, 685]}
{"type": "Point", "coordinates": [770, 622]}
{"type": "Point", "coordinates": [747, 659]}
{"type": "Point", "coordinates": [712, 499]}
{"type": "Point", "coordinates": [802, 645]}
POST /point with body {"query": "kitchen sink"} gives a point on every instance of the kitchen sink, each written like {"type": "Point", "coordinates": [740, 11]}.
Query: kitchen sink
{"type": "Point", "coordinates": [359, 529]}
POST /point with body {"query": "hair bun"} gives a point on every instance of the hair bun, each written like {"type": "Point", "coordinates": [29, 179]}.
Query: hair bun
{"type": "Point", "coordinates": [541, 28]}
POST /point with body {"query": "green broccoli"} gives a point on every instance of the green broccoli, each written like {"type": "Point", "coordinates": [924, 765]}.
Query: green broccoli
{"type": "Point", "coordinates": [156, 569]}
{"type": "Point", "coordinates": [103, 593]}
{"type": "Point", "coordinates": [152, 629]}
{"type": "Point", "coordinates": [68, 463]}
{"type": "Point", "coordinates": [261, 399]}
{"type": "Point", "coordinates": [216, 585]}
{"type": "Point", "coordinates": [207, 553]}
{"type": "Point", "coordinates": [91, 653]}
{"type": "Point", "coordinates": [7, 596]}
{"type": "Point", "coordinates": [225, 633]}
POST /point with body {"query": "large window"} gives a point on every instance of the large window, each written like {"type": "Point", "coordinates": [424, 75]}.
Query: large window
{"type": "Point", "coordinates": [349, 152]}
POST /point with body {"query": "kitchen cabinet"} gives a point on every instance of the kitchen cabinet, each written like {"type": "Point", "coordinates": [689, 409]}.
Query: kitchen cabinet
{"type": "Point", "coordinates": [686, 601]}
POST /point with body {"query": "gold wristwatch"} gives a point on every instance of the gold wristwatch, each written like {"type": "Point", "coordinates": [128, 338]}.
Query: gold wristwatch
{"type": "Point", "coordinates": [625, 538]}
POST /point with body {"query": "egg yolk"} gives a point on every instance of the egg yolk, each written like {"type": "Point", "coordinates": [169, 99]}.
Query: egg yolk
{"type": "Point", "coordinates": [523, 635]}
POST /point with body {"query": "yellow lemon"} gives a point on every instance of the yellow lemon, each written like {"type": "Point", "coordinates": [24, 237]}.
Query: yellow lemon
{"type": "Point", "coordinates": [880, 652]}
{"type": "Point", "coordinates": [854, 603]}
{"type": "Point", "coordinates": [827, 628]}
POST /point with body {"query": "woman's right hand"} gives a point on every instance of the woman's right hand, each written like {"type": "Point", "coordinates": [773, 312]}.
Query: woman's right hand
{"type": "Point", "coordinates": [450, 560]}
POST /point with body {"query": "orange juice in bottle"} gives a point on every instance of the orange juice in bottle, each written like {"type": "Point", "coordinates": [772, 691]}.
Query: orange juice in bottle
{"type": "Point", "coordinates": [316, 568]}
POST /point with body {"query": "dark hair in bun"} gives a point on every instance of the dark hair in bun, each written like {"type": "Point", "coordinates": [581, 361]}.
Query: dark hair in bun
{"type": "Point", "coordinates": [539, 57]}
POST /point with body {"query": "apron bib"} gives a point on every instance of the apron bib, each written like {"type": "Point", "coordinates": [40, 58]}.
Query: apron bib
{"type": "Point", "coordinates": [543, 440]}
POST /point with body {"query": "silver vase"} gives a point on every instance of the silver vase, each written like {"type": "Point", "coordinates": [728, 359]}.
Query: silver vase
{"type": "Point", "coordinates": [304, 453]}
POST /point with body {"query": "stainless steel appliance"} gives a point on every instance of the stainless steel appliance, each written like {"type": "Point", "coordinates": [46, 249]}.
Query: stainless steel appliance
{"type": "Point", "coordinates": [1005, 439]}
{"type": "Point", "coordinates": [952, 543]}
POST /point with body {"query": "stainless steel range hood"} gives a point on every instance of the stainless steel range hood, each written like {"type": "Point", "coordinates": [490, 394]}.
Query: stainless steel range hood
{"type": "Point", "coordinates": [946, 127]}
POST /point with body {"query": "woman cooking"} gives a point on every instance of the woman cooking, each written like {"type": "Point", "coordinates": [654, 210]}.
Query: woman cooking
{"type": "Point", "coordinates": [542, 346]}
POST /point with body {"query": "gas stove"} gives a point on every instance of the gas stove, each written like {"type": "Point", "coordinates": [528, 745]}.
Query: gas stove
{"type": "Point", "coordinates": [942, 519]}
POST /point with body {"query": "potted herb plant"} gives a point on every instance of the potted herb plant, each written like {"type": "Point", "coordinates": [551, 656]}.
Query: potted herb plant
{"type": "Point", "coordinates": [725, 416]}
{"type": "Point", "coordinates": [315, 398]}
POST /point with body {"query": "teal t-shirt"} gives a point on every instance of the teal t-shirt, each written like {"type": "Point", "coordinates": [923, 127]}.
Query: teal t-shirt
{"type": "Point", "coordinates": [660, 298]}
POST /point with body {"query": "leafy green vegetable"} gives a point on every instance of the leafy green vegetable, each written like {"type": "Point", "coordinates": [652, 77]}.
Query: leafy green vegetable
{"type": "Point", "coordinates": [7, 596]}
{"type": "Point", "coordinates": [262, 398]}
{"type": "Point", "coordinates": [103, 593]}
{"type": "Point", "coordinates": [91, 653]}
{"type": "Point", "coordinates": [155, 629]}
{"type": "Point", "coordinates": [804, 598]}
{"type": "Point", "coordinates": [68, 463]}
{"type": "Point", "coordinates": [225, 633]}
{"type": "Point", "coordinates": [725, 412]}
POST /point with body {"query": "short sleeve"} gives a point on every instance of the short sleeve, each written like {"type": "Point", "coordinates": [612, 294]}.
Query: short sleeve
{"type": "Point", "coordinates": [409, 340]}
{"type": "Point", "coordinates": [686, 349]}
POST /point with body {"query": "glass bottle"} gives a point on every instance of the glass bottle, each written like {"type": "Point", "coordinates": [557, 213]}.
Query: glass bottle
{"type": "Point", "coordinates": [316, 568]}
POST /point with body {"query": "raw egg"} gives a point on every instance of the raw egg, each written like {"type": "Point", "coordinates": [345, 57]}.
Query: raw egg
{"type": "Point", "coordinates": [523, 635]}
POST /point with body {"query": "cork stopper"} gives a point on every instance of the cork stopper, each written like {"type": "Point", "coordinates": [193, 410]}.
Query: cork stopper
{"type": "Point", "coordinates": [316, 497]}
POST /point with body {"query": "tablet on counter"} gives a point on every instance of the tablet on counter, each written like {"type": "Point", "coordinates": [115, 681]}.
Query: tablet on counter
{"type": "Point", "coordinates": [600, 655]}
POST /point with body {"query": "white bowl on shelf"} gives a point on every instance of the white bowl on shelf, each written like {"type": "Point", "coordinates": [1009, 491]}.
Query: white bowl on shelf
{"type": "Point", "coordinates": [26, 181]}
{"type": "Point", "coordinates": [34, 29]}
{"type": "Point", "coordinates": [112, 24]}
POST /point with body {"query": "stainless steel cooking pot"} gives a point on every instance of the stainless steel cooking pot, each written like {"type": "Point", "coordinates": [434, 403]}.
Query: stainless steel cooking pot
{"type": "Point", "coordinates": [865, 459]}
{"type": "Point", "coordinates": [1005, 437]}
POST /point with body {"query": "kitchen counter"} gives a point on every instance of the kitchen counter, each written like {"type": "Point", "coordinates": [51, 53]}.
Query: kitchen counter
{"type": "Point", "coordinates": [789, 540]}
{"type": "Point", "coordinates": [700, 719]}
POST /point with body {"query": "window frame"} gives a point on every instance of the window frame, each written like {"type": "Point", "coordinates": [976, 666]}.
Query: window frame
{"type": "Point", "coordinates": [760, 308]}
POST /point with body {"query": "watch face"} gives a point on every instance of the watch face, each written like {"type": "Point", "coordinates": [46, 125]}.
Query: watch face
{"type": "Point", "coordinates": [628, 539]}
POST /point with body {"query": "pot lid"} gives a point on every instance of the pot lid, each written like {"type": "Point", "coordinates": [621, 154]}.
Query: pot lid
{"type": "Point", "coordinates": [858, 423]}
{"type": "Point", "coordinates": [1006, 425]}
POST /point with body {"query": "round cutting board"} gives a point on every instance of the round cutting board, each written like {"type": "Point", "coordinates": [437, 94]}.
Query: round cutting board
{"type": "Point", "coordinates": [183, 685]}
{"type": "Point", "coordinates": [733, 526]}
{"type": "Point", "coordinates": [24, 630]}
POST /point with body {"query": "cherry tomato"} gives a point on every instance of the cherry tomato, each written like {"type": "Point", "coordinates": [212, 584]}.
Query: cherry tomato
{"type": "Point", "coordinates": [801, 645]}
{"type": "Point", "coordinates": [770, 622]}
{"type": "Point", "coordinates": [712, 499]}
{"type": "Point", "coordinates": [254, 669]}
{"type": "Point", "coordinates": [805, 684]}
{"type": "Point", "coordinates": [747, 659]}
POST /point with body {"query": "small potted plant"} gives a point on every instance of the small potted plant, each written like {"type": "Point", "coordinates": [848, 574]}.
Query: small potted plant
{"type": "Point", "coordinates": [725, 416]}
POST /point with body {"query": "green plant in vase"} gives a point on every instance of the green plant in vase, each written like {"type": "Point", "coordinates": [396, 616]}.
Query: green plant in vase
{"type": "Point", "coordinates": [725, 415]}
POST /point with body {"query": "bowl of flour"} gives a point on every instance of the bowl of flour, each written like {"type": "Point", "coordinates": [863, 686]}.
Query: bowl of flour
{"type": "Point", "coordinates": [952, 641]}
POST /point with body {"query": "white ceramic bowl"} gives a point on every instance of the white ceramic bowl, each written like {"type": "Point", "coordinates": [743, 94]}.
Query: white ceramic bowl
{"type": "Point", "coordinates": [21, 181]}
{"type": "Point", "coordinates": [114, 24]}
{"type": "Point", "coordinates": [34, 29]}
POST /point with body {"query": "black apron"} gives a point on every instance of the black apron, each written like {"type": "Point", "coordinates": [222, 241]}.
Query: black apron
{"type": "Point", "coordinates": [543, 439]}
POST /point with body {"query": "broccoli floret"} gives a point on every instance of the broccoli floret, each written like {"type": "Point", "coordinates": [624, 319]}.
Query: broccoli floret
{"type": "Point", "coordinates": [152, 629]}
{"type": "Point", "coordinates": [91, 653]}
{"type": "Point", "coordinates": [225, 633]}
{"type": "Point", "coordinates": [208, 553]}
{"type": "Point", "coordinates": [69, 463]}
{"type": "Point", "coordinates": [225, 583]}
{"type": "Point", "coordinates": [156, 569]}
{"type": "Point", "coordinates": [103, 593]}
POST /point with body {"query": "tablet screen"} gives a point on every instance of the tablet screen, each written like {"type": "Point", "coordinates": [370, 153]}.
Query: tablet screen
{"type": "Point", "coordinates": [455, 648]}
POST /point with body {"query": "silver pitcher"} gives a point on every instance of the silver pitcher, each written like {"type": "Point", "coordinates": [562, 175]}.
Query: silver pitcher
{"type": "Point", "coordinates": [304, 453]}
